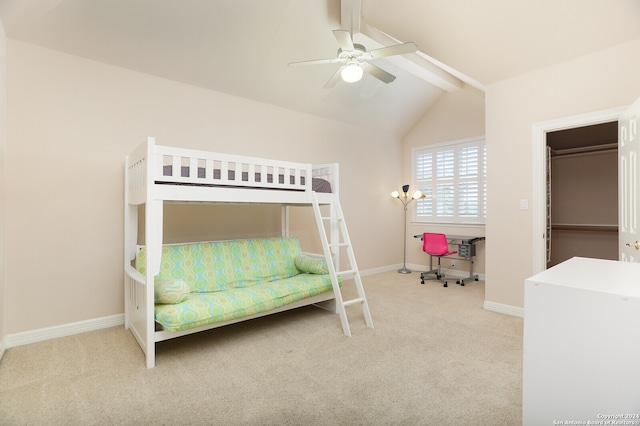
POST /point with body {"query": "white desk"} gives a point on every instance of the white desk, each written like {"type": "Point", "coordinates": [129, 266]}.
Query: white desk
{"type": "Point", "coordinates": [581, 347]}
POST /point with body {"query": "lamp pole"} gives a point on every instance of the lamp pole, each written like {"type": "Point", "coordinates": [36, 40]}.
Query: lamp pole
{"type": "Point", "coordinates": [405, 200]}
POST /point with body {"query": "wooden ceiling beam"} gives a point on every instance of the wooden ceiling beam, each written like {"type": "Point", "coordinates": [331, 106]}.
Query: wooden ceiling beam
{"type": "Point", "coordinates": [418, 63]}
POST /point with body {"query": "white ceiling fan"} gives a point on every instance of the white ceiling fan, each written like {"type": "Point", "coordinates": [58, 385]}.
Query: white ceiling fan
{"type": "Point", "coordinates": [355, 59]}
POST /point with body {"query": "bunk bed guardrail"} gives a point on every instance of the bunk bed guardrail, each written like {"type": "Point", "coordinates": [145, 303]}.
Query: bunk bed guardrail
{"type": "Point", "coordinates": [179, 166]}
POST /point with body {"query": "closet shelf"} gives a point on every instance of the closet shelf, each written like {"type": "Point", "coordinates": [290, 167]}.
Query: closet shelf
{"type": "Point", "coordinates": [583, 227]}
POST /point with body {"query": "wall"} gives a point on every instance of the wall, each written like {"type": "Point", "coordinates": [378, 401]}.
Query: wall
{"type": "Point", "coordinates": [3, 127]}
{"type": "Point", "coordinates": [595, 82]}
{"type": "Point", "coordinates": [72, 121]}
{"type": "Point", "coordinates": [456, 115]}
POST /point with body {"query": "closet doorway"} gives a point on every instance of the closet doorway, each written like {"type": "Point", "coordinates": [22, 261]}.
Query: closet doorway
{"type": "Point", "coordinates": [582, 193]}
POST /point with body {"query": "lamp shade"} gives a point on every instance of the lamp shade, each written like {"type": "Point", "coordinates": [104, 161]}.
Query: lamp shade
{"type": "Point", "coordinates": [351, 73]}
{"type": "Point", "coordinates": [395, 194]}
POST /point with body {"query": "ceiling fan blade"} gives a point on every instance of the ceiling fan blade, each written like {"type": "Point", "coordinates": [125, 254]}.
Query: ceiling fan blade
{"type": "Point", "coordinates": [378, 72]}
{"type": "Point", "coordinates": [334, 79]}
{"type": "Point", "coordinates": [397, 49]}
{"type": "Point", "coordinates": [344, 40]}
{"type": "Point", "coordinates": [315, 62]}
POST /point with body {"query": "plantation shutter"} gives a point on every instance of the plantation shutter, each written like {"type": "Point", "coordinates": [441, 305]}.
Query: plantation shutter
{"type": "Point", "coordinates": [452, 177]}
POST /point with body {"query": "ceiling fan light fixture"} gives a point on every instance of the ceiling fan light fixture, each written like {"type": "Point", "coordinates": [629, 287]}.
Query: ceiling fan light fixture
{"type": "Point", "coordinates": [351, 73]}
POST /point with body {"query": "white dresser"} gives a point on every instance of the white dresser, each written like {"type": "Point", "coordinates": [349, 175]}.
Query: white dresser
{"type": "Point", "coordinates": [581, 358]}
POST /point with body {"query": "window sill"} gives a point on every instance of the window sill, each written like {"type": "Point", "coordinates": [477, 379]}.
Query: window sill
{"type": "Point", "coordinates": [450, 224]}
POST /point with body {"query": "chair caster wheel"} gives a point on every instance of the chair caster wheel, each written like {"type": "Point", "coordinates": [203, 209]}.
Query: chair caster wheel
{"type": "Point", "coordinates": [445, 285]}
{"type": "Point", "coordinates": [458, 282]}
{"type": "Point", "coordinates": [422, 282]}
{"type": "Point", "coordinates": [462, 283]}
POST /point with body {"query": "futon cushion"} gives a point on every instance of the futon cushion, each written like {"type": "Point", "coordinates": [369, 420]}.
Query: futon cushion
{"type": "Point", "coordinates": [223, 265]}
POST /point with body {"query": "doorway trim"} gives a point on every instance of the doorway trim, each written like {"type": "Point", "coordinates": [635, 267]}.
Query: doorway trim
{"type": "Point", "coordinates": [539, 155]}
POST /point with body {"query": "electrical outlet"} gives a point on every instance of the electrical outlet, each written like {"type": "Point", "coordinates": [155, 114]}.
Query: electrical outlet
{"type": "Point", "coordinates": [453, 263]}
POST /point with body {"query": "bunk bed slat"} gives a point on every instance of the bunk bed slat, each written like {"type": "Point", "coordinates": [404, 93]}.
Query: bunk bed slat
{"type": "Point", "coordinates": [224, 172]}
{"type": "Point", "coordinates": [176, 166]}
{"type": "Point", "coordinates": [208, 170]}
{"type": "Point", "coordinates": [193, 167]}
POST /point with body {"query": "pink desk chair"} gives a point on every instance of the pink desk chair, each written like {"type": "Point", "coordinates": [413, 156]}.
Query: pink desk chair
{"type": "Point", "coordinates": [435, 245]}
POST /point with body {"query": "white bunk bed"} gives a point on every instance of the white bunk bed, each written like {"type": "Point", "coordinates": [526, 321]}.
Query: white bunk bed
{"type": "Point", "coordinates": [156, 174]}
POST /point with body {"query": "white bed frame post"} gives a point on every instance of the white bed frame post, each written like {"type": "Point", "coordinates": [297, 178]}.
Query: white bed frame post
{"type": "Point", "coordinates": [154, 210]}
{"type": "Point", "coordinates": [139, 289]}
{"type": "Point", "coordinates": [130, 222]}
{"type": "Point", "coordinates": [153, 242]}
{"type": "Point", "coordinates": [285, 220]}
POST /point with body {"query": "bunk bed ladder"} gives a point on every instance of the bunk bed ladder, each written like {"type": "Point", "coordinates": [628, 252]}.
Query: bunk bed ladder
{"type": "Point", "coordinates": [340, 239]}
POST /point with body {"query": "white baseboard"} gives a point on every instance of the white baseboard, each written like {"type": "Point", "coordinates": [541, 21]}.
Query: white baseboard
{"type": "Point", "coordinates": [503, 309]}
{"type": "Point", "coordinates": [380, 270]}
{"type": "Point", "coordinates": [2, 349]}
{"type": "Point", "coordinates": [48, 333]}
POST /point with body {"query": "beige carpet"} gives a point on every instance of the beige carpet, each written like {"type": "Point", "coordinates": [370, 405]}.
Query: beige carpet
{"type": "Point", "coordinates": [435, 357]}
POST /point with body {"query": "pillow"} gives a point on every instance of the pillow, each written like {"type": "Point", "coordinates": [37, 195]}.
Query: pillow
{"type": "Point", "coordinates": [168, 292]}
{"type": "Point", "coordinates": [311, 265]}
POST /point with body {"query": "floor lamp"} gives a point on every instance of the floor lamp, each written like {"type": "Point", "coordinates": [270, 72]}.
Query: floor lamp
{"type": "Point", "coordinates": [405, 200]}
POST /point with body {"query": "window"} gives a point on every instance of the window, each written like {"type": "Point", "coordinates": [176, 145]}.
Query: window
{"type": "Point", "coordinates": [452, 176]}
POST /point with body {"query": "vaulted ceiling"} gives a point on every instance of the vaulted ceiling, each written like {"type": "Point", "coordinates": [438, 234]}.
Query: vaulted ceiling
{"type": "Point", "coordinates": [242, 47]}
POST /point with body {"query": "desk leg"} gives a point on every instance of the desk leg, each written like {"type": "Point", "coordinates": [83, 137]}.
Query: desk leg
{"type": "Point", "coordinates": [472, 276]}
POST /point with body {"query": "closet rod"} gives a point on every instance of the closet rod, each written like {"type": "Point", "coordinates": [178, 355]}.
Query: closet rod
{"type": "Point", "coordinates": [596, 149]}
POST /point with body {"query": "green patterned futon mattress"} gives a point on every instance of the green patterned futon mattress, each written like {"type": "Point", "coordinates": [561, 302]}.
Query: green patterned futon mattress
{"type": "Point", "coordinates": [209, 308]}
{"type": "Point", "coordinates": [211, 282]}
